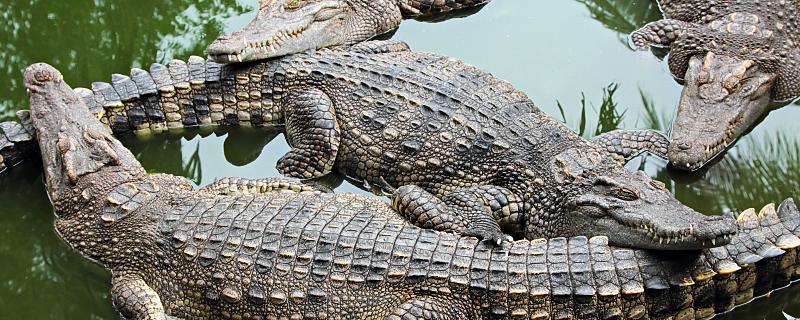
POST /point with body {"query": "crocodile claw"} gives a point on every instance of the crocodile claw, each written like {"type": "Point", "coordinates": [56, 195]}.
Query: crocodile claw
{"type": "Point", "coordinates": [383, 184]}
{"type": "Point", "coordinates": [495, 237]}
{"type": "Point", "coordinates": [318, 187]}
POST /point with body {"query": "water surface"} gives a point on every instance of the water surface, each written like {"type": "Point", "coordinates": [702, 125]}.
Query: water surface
{"type": "Point", "coordinates": [558, 52]}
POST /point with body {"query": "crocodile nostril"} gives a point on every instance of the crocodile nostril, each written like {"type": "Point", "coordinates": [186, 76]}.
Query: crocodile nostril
{"type": "Point", "coordinates": [684, 146]}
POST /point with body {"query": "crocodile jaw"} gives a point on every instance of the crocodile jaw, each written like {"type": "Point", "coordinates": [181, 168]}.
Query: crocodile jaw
{"type": "Point", "coordinates": [722, 98]}
{"type": "Point", "coordinates": [635, 211]}
{"type": "Point", "coordinates": [280, 29]}
{"type": "Point", "coordinates": [664, 225]}
{"type": "Point", "coordinates": [695, 233]}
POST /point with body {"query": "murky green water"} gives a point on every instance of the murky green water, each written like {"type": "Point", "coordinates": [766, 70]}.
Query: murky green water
{"type": "Point", "coordinates": [555, 51]}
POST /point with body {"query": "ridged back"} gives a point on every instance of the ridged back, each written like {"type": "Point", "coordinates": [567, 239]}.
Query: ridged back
{"type": "Point", "coordinates": [343, 244]}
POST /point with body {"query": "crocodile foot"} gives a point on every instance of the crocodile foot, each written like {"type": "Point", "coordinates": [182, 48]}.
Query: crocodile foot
{"type": "Point", "coordinates": [661, 33]}
{"type": "Point", "coordinates": [487, 232]}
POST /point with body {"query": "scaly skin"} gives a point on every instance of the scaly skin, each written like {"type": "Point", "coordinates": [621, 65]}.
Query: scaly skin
{"type": "Point", "coordinates": [176, 253]}
{"type": "Point", "coordinates": [423, 124]}
{"type": "Point", "coordinates": [284, 27]}
{"type": "Point", "coordinates": [735, 58]}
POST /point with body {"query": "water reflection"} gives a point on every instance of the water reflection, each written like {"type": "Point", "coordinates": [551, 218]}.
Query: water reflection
{"type": "Point", "coordinates": [164, 154]}
{"type": "Point", "coordinates": [623, 16]}
{"type": "Point", "coordinates": [89, 40]}
{"type": "Point", "coordinates": [178, 152]}
{"type": "Point", "coordinates": [41, 277]}
{"type": "Point", "coordinates": [244, 145]}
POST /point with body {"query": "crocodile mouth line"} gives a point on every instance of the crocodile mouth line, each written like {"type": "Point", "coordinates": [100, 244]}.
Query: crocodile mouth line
{"type": "Point", "coordinates": [268, 46]}
{"type": "Point", "coordinates": [715, 149]}
{"type": "Point", "coordinates": [678, 236]}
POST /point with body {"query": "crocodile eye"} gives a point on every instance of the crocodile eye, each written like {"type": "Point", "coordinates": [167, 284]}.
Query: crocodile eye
{"type": "Point", "coordinates": [293, 4]}
{"type": "Point", "coordinates": [626, 194]}
{"type": "Point", "coordinates": [658, 185]}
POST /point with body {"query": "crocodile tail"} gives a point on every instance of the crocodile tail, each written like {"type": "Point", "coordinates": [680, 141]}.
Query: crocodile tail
{"type": "Point", "coordinates": [194, 93]}
{"type": "Point", "coordinates": [180, 94]}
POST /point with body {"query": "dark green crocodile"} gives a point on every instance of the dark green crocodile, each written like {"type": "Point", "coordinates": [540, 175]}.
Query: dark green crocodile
{"type": "Point", "coordinates": [176, 253]}
{"type": "Point", "coordinates": [429, 124]}
{"type": "Point", "coordinates": [284, 27]}
{"type": "Point", "coordinates": [735, 59]}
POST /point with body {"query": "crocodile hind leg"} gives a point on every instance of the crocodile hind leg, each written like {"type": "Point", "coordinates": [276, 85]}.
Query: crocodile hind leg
{"type": "Point", "coordinates": [416, 8]}
{"type": "Point", "coordinates": [135, 300]}
{"type": "Point", "coordinates": [630, 143]}
{"type": "Point", "coordinates": [471, 212]}
{"type": "Point", "coordinates": [234, 186]}
{"type": "Point", "coordinates": [313, 133]}
{"type": "Point", "coordinates": [428, 309]}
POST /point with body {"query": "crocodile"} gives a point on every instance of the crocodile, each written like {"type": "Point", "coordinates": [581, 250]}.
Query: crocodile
{"type": "Point", "coordinates": [737, 60]}
{"type": "Point", "coordinates": [295, 252]}
{"type": "Point", "coordinates": [283, 27]}
{"type": "Point", "coordinates": [389, 120]}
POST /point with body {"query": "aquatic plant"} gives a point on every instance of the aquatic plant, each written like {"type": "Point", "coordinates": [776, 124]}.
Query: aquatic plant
{"type": "Point", "coordinates": [609, 117]}
{"type": "Point", "coordinates": [623, 16]}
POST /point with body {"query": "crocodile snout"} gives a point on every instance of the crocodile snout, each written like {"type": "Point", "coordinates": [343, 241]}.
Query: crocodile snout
{"type": "Point", "coordinates": [226, 45]}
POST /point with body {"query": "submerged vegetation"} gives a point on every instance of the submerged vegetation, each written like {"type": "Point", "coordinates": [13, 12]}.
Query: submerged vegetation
{"type": "Point", "coordinates": [609, 118]}
{"type": "Point", "coordinates": [770, 165]}
{"type": "Point", "coordinates": [623, 16]}
{"type": "Point", "coordinates": [652, 118]}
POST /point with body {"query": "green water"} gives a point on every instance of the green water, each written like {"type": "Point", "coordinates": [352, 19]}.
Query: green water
{"type": "Point", "coordinates": [555, 51]}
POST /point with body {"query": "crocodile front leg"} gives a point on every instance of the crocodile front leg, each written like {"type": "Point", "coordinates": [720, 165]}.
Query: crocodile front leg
{"type": "Point", "coordinates": [661, 33]}
{"type": "Point", "coordinates": [473, 211]}
{"type": "Point", "coordinates": [232, 186]}
{"type": "Point", "coordinates": [630, 143]}
{"type": "Point", "coordinates": [687, 39]}
{"type": "Point", "coordinates": [380, 46]}
{"type": "Point", "coordinates": [313, 133]}
{"type": "Point", "coordinates": [135, 300]}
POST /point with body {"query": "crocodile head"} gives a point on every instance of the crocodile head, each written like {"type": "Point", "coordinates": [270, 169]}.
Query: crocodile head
{"type": "Point", "coordinates": [722, 98]}
{"type": "Point", "coordinates": [283, 27]}
{"type": "Point", "coordinates": [72, 141]}
{"type": "Point", "coordinates": [631, 209]}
